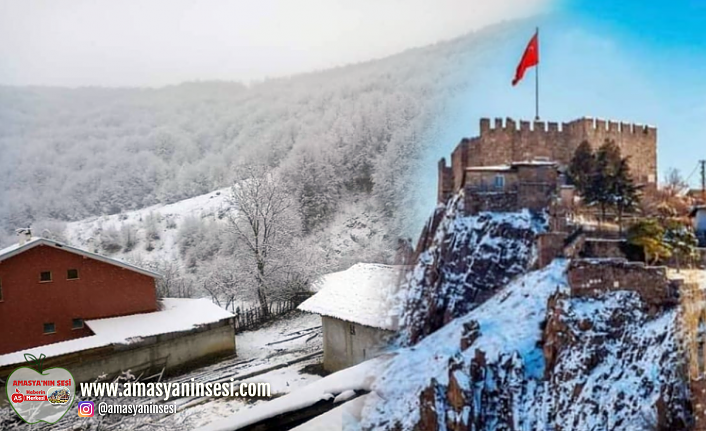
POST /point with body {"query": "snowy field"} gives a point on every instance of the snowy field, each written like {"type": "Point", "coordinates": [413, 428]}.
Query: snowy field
{"type": "Point", "coordinates": [264, 355]}
{"type": "Point", "coordinates": [168, 219]}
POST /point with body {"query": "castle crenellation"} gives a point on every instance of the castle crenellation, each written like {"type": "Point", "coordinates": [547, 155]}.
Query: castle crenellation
{"type": "Point", "coordinates": [504, 141]}
{"type": "Point", "coordinates": [586, 123]}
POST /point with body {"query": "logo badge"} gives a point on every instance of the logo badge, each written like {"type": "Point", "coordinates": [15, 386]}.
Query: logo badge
{"type": "Point", "coordinates": [40, 396]}
{"type": "Point", "coordinates": [58, 396]}
{"type": "Point", "coordinates": [85, 409]}
{"type": "Point", "coordinates": [17, 397]}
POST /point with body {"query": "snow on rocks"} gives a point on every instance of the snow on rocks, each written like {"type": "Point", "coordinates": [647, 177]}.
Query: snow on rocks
{"type": "Point", "coordinates": [463, 261]}
{"type": "Point", "coordinates": [613, 367]}
{"type": "Point", "coordinates": [509, 322]}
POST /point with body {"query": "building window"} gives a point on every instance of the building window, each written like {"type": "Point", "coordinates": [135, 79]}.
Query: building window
{"type": "Point", "coordinates": [351, 328]}
{"type": "Point", "coordinates": [499, 181]}
{"type": "Point", "coordinates": [49, 328]}
{"type": "Point", "coordinates": [72, 274]}
{"type": "Point", "coordinates": [44, 276]}
{"type": "Point", "coordinates": [77, 324]}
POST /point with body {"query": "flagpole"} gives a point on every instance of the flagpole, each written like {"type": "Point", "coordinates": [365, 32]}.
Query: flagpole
{"type": "Point", "coordinates": [536, 82]}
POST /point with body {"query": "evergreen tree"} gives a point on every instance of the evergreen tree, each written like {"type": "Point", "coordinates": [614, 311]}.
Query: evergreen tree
{"type": "Point", "coordinates": [650, 236]}
{"type": "Point", "coordinates": [623, 191]}
{"type": "Point", "coordinates": [609, 183]}
{"type": "Point", "coordinates": [681, 240]}
{"type": "Point", "coordinates": [600, 190]}
{"type": "Point", "coordinates": [581, 167]}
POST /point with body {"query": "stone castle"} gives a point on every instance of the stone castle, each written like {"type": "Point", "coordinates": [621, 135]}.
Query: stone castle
{"type": "Point", "coordinates": [505, 143]}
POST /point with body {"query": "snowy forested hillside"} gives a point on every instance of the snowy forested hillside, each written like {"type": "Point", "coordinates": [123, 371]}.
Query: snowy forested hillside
{"type": "Point", "coordinates": [69, 154]}
{"type": "Point", "coordinates": [135, 173]}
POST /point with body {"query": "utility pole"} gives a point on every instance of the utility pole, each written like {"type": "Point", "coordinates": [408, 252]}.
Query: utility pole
{"type": "Point", "coordinates": [703, 180]}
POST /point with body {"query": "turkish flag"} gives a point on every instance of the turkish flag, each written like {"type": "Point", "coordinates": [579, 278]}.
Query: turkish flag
{"type": "Point", "coordinates": [529, 59]}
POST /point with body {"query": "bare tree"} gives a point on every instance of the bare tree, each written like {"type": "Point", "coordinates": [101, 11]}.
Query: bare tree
{"type": "Point", "coordinates": [172, 283]}
{"type": "Point", "coordinates": [674, 183]}
{"type": "Point", "coordinates": [265, 224]}
{"type": "Point", "coordinates": [224, 282]}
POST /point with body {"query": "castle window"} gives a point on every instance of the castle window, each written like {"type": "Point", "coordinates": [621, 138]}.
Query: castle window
{"type": "Point", "coordinates": [72, 274]}
{"type": "Point", "coordinates": [49, 328]}
{"type": "Point", "coordinates": [499, 182]}
{"type": "Point", "coordinates": [351, 328]}
{"type": "Point", "coordinates": [45, 276]}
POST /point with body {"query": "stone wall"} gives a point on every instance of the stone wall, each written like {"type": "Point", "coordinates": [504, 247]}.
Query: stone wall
{"type": "Point", "coordinates": [602, 248]}
{"type": "Point", "coordinates": [444, 182]}
{"type": "Point", "coordinates": [505, 143]}
{"type": "Point", "coordinates": [591, 277]}
{"type": "Point", "coordinates": [550, 245]}
{"type": "Point", "coordinates": [698, 400]}
{"type": "Point", "coordinates": [180, 350]}
{"type": "Point", "coordinates": [476, 202]}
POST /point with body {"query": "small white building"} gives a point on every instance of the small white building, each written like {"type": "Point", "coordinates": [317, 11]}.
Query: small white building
{"type": "Point", "coordinates": [358, 313]}
{"type": "Point", "coordinates": [698, 213]}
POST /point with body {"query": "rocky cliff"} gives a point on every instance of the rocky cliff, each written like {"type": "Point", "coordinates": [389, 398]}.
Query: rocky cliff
{"type": "Point", "coordinates": [493, 346]}
{"type": "Point", "coordinates": [461, 261]}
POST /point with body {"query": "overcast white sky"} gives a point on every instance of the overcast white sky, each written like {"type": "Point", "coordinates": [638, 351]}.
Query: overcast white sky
{"type": "Point", "coordinates": [160, 42]}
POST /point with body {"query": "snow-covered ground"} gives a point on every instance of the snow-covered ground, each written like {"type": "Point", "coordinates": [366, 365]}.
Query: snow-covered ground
{"type": "Point", "coordinates": [509, 322]}
{"type": "Point", "coordinates": [86, 233]}
{"type": "Point", "coordinates": [341, 384]}
{"type": "Point", "coordinates": [264, 355]}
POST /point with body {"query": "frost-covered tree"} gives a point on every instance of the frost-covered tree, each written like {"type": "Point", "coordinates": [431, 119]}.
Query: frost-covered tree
{"type": "Point", "coordinates": [110, 241]}
{"type": "Point", "coordinates": [265, 226]}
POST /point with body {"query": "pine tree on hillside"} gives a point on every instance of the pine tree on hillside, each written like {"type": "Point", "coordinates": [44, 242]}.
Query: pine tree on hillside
{"type": "Point", "coordinates": [581, 167]}
{"type": "Point", "coordinates": [607, 161]}
{"type": "Point", "coordinates": [610, 183]}
{"type": "Point", "coordinates": [623, 191]}
{"type": "Point", "coordinates": [681, 239]}
{"type": "Point", "coordinates": [650, 236]}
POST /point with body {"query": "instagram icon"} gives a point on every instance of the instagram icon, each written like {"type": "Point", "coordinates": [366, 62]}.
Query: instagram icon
{"type": "Point", "coordinates": [85, 409]}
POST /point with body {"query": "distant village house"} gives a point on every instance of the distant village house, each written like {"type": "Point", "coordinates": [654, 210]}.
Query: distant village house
{"type": "Point", "coordinates": [357, 313]}
{"type": "Point", "coordinates": [698, 213]}
{"type": "Point", "coordinates": [511, 187]}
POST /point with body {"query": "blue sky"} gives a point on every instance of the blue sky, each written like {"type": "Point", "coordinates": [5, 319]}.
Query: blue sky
{"type": "Point", "coordinates": [663, 46]}
{"type": "Point", "coordinates": [641, 62]}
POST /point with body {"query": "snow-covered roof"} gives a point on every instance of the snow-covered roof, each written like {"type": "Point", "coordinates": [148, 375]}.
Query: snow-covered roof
{"type": "Point", "coordinates": [489, 168]}
{"type": "Point", "coordinates": [18, 248]}
{"type": "Point", "coordinates": [358, 377]}
{"type": "Point", "coordinates": [364, 294]}
{"type": "Point", "coordinates": [697, 209]}
{"type": "Point", "coordinates": [511, 166]}
{"type": "Point", "coordinates": [176, 315]}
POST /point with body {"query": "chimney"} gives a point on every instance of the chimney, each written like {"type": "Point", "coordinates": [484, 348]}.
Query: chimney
{"type": "Point", "coordinates": [24, 234]}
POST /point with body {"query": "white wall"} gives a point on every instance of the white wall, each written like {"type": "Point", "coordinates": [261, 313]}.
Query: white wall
{"type": "Point", "coordinates": [343, 349]}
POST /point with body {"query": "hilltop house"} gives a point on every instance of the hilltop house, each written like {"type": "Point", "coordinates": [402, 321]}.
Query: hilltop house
{"type": "Point", "coordinates": [511, 187]}
{"type": "Point", "coordinates": [357, 309]}
{"type": "Point", "coordinates": [698, 213]}
{"type": "Point", "coordinates": [96, 315]}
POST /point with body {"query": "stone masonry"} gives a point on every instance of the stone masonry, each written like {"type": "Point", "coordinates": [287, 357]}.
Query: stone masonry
{"type": "Point", "coordinates": [506, 143]}
{"type": "Point", "coordinates": [592, 277]}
